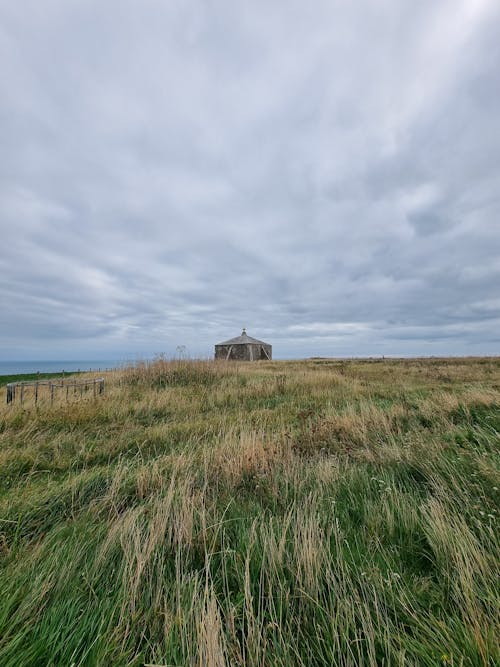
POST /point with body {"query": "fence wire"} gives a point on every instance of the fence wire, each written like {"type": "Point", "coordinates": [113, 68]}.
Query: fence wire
{"type": "Point", "coordinates": [21, 390]}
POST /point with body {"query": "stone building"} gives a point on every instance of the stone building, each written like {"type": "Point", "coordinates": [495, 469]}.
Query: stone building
{"type": "Point", "coordinates": [243, 348]}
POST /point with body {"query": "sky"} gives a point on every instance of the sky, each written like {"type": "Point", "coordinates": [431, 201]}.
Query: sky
{"type": "Point", "coordinates": [323, 173]}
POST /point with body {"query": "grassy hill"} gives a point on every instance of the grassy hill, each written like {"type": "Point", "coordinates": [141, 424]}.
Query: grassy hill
{"type": "Point", "coordinates": [305, 513]}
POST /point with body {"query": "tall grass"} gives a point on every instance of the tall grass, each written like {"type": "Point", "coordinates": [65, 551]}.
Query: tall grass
{"type": "Point", "coordinates": [276, 513]}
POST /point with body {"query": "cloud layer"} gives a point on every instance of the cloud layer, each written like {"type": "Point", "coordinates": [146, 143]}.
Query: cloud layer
{"type": "Point", "coordinates": [325, 173]}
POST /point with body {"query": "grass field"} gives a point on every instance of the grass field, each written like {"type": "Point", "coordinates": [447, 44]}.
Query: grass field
{"type": "Point", "coordinates": [25, 377]}
{"type": "Point", "coordinates": [278, 513]}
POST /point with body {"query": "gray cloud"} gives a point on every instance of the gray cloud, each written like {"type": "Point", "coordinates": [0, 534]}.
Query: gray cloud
{"type": "Point", "coordinates": [325, 173]}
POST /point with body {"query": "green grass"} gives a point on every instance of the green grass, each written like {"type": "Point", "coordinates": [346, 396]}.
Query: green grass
{"type": "Point", "coordinates": [25, 377]}
{"type": "Point", "coordinates": [279, 513]}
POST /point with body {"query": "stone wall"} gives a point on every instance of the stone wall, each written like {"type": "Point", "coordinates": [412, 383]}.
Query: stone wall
{"type": "Point", "coordinates": [247, 352]}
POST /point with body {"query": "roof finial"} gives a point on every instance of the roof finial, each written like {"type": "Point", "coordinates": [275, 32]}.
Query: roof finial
{"type": "Point", "coordinates": [244, 332]}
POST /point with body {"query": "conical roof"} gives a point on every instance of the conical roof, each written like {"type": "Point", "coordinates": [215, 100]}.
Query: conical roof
{"type": "Point", "coordinates": [244, 339]}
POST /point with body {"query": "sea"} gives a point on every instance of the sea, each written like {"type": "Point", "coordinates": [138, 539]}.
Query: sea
{"type": "Point", "coordinates": [18, 367]}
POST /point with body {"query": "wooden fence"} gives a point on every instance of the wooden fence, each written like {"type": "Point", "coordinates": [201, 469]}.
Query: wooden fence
{"type": "Point", "coordinates": [49, 388]}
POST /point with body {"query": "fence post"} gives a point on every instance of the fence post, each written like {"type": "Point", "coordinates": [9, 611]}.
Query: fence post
{"type": "Point", "coordinates": [51, 393]}
{"type": "Point", "coordinates": [36, 393]}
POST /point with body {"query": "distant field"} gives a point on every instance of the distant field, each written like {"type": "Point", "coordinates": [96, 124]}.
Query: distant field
{"type": "Point", "coordinates": [320, 512]}
{"type": "Point", "coordinates": [24, 377]}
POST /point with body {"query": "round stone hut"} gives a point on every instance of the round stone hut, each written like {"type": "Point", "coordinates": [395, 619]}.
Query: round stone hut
{"type": "Point", "coordinates": [243, 348]}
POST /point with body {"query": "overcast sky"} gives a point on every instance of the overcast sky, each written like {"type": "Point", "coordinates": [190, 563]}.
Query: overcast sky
{"type": "Point", "coordinates": [325, 173]}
